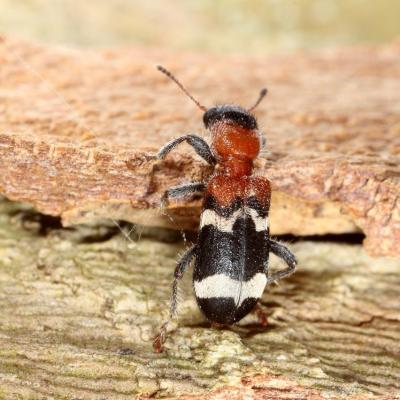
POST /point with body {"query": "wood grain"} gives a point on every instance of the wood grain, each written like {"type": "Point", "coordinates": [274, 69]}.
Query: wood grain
{"type": "Point", "coordinates": [79, 130]}
{"type": "Point", "coordinates": [79, 308]}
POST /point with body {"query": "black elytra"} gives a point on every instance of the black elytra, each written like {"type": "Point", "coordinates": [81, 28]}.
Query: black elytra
{"type": "Point", "coordinates": [235, 256]}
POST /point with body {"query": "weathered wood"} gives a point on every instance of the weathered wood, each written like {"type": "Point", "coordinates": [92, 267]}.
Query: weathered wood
{"type": "Point", "coordinates": [79, 308]}
{"type": "Point", "coordinates": [78, 132]}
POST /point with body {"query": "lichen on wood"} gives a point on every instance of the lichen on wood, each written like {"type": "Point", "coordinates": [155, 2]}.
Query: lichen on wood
{"type": "Point", "coordinates": [79, 308]}
{"type": "Point", "coordinates": [79, 131]}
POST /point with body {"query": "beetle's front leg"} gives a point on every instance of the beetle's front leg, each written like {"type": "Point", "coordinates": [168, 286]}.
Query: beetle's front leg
{"type": "Point", "coordinates": [200, 146]}
{"type": "Point", "coordinates": [283, 252]}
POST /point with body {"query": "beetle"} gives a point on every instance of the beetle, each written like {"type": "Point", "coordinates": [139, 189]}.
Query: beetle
{"type": "Point", "coordinates": [233, 246]}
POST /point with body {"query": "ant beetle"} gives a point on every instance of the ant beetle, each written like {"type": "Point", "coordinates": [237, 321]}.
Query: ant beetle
{"type": "Point", "coordinates": [231, 254]}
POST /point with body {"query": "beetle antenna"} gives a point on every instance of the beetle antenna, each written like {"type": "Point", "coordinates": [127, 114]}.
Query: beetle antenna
{"type": "Point", "coordinates": [169, 74]}
{"type": "Point", "coordinates": [263, 93]}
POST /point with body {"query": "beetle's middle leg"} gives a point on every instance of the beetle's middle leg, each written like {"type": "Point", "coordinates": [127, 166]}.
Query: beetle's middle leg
{"type": "Point", "coordinates": [178, 274]}
{"type": "Point", "coordinates": [282, 252]}
{"type": "Point", "coordinates": [181, 191]}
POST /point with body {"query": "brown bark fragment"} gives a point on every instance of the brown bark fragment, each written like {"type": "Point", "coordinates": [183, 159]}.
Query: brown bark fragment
{"type": "Point", "coordinates": [78, 132]}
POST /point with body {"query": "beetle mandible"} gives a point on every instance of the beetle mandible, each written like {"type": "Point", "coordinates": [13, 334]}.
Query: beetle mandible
{"type": "Point", "coordinates": [232, 251]}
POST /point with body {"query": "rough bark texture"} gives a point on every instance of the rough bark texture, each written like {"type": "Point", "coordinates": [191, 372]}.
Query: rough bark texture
{"type": "Point", "coordinates": [79, 308]}
{"type": "Point", "coordinates": [78, 132]}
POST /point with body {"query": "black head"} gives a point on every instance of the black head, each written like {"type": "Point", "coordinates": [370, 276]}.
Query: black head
{"type": "Point", "coordinates": [229, 112]}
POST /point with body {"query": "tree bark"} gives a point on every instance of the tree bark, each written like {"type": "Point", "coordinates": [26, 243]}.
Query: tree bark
{"type": "Point", "coordinates": [80, 306]}
{"type": "Point", "coordinates": [79, 131]}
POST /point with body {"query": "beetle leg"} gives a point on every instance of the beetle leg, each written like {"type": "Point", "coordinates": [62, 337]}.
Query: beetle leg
{"type": "Point", "coordinates": [181, 191]}
{"type": "Point", "coordinates": [283, 252]}
{"type": "Point", "coordinates": [200, 146]}
{"type": "Point", "coordinates": [179, 271]}
{"type": "Point", "coordinates": [261, 315]}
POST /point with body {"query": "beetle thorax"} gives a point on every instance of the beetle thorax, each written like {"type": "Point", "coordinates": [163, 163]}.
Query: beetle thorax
{"type": "Point", "coordinates": [235, 147]}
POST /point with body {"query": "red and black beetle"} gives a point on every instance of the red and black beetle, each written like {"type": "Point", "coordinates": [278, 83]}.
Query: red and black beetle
{"type": "Point", "coordinates": [232, 251]}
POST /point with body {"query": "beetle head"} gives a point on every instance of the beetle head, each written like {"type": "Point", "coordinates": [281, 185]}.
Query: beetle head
{"type": "Point", "coordinates": [234, 129]}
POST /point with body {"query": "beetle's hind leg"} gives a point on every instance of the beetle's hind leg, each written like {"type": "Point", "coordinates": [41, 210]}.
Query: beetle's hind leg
{"type": "Point", "coordinates": [180, 269]}
{"type": "Point", "coordinates": [261, 315]}
{"type": "Point", "coordinates": [182, 191]}
{"type": "Point", "coordinates": [282, 252]}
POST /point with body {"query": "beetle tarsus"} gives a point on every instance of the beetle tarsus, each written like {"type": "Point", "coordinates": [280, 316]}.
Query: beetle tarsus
{"type": "Point", "coordinates": [261, 315]}
{"type": "Point", "coordinates": [159, 340]}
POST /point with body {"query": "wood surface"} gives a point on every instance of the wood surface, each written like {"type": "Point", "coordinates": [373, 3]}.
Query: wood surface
{"type": "Point", "coordinates": [79, 130]}
{"type": "Point", "coordinates": [80, 306]}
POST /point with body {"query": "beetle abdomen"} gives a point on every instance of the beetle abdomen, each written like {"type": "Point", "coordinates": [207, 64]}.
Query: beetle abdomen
{"type": "Point", "coordinates": [224, 311]}
{"type": "Point", "coordinates": [229, 300]}
{"type": "Point", "coordinates": [232, 259]}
